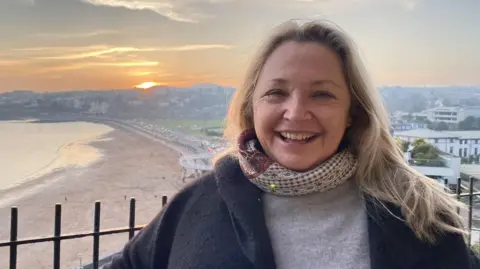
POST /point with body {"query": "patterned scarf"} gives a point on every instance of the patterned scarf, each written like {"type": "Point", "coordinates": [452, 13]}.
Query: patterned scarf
{"type": "Point", "coordinates": [272, 177]}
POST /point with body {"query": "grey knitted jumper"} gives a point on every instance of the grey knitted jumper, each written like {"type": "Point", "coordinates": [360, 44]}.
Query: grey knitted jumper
{"type": "Point", "coordinates": [325, 230]}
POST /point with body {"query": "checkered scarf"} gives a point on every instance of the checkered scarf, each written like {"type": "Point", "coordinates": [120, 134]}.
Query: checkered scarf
{"type": "Point", "coordinates": [272, 177]}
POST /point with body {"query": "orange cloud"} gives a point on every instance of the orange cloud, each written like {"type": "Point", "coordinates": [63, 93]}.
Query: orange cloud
{"type": "Point", "coordinates": [75, 53]}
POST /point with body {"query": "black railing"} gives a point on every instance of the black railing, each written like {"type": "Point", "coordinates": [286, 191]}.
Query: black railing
{"type": "Point", "coordinates": [427, 162]}
{"type": "Point", "coordinates": [57, 237]}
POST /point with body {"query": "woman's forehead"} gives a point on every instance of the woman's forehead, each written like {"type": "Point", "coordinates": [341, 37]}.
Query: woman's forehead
{"type": "Point", "coordinates": [293, 56]}
{"type": "Point", "coordinates": [310, 63]}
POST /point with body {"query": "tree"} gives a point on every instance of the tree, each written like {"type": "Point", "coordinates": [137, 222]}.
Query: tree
{"type": "Point", "coordinates": [448, 102]}
{"type": "Point", "coordinates": [424, 153]}
{"type": "Point", "coordinates": [423, 120]}
{"type": "Point", "coordinates": [417, 103]}
{"type": "Point", "coordinates": [438, 126]}
{"type": "Point", "coordinates": [427, 151]}
{"type": "Point", "coordinates": [418, 141]}
{"type": "Point", "coordinates": [403, 144]}
{"type": "Point", "coordinates": [469, 123]}
{"type": "Point", "coordinates": [470, 101]}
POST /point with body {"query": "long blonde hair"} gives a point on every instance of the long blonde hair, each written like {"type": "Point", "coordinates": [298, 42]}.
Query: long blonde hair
{"type": "Point", "coordinates": [382, 171]}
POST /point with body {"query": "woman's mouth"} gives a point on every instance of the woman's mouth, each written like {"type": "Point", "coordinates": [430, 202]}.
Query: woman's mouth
{"type": "Point", "coordinates": [297, 137]}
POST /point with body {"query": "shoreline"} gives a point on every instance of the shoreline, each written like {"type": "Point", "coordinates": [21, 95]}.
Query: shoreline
{"type": "Point", "coordinates": [71, 149]}
{"type": "Point", "coordinates": [47, 175]}
{"type": "Point", "coordinates": [36, 180]}
{"type": "Point", "coordinates": [133, 166]}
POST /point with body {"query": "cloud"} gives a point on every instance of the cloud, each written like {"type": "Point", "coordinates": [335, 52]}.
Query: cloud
{"type": "Point", "coordinates": [410, 4]}
{"type": "Point", "coordinates": [76, 53]}
{"type": "Point", "coordinates": [25, 2]}
{"type": "Point", "coordinates": [77, 66]}
{"type": "Point", "coordinates": [177, 10]}
{"type": "Point", "coordinates": [195, 47]}
{"type": "Point", "coordinates": [4, 62]}
{"type": "Point", "coordinates": [149, 73]}
{"type": "Point", "coordinates": [76, 35]}
{"type": "Point", "coordinates": [140, 73]}
{"type": "Point", "coordinates": [338, 5]}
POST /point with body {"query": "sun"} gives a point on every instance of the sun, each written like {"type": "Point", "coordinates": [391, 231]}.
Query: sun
{"type": "Point", "coordinates": [146, 85]}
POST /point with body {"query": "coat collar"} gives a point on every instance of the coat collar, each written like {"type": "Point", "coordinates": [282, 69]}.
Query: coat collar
{"type": "Point", "coordinates": [392, 243]}
{"type": "Point", "coordinates": [244, 201]}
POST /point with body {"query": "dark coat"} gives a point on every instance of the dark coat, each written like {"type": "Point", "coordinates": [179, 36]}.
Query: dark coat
{"type": "Point", "coordinates": [218, 223]}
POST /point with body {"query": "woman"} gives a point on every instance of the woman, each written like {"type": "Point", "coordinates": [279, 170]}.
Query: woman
{"type": "Point", "coordinates": [313, 179]}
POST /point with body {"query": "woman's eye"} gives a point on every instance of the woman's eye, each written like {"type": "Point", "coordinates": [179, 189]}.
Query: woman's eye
{"type": "Point", "coordinates": [275, 92]}
{"type": "Point", "coordinates": [323, 94]}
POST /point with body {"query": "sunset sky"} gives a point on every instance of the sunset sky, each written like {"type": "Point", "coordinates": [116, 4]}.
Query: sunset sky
{"type": "Point", "coordinates": [53, 45]}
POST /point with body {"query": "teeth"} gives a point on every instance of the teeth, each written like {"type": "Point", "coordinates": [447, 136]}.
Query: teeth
{"type": "Point", "coordinates": [297, 136]}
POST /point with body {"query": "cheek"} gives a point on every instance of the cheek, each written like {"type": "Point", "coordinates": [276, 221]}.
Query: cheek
{"type": "Point", "coordinates": [264, 117]}
{"type": "Point", "coordinates": [334, 119]}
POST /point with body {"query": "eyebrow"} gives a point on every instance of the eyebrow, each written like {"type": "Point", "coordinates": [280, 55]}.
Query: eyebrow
{"type": "Point", "coordinates": [314, 83]}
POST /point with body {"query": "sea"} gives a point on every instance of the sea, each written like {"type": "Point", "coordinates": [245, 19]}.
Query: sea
{"type": "Point", "coordinates": [29, 149]}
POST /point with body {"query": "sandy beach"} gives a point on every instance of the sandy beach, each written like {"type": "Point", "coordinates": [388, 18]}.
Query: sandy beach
{"type": "Point", "coordinates": [29, 150]}
{"type": "Point", "coordinates": [132, 166]}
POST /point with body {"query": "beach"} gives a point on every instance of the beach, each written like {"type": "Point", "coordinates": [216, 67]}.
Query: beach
{"type": "Point", "coordinates": [128, 165]}
{"type": "Point", "coordinates": [30, 150]}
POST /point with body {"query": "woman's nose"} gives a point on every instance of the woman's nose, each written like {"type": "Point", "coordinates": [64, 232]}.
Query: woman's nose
{"type": "Point", "coordinates": [297, 109]}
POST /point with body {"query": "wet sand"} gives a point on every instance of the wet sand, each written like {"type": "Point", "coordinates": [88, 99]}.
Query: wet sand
{"type": "Point", "coordinates": [132, 166]}
{"type": "Point", "coordinates": [30, 150]}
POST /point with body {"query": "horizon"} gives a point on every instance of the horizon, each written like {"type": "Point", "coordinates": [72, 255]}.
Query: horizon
{"type": "Point", "coordinates": [71, 45]}
{"type": "Point", "coordinates": [460, 87]}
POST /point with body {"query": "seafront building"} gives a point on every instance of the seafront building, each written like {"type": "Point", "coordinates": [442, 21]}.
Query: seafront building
{"type": "Point", "coordinates": [457, 143]}
{"type": "Point", "coordinates": [453, 146]}
{"type": "Point", "coordinates": [450, 115]}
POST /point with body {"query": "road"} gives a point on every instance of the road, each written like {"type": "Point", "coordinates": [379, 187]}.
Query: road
{"type": "Point", "coordinates": [193, 156]}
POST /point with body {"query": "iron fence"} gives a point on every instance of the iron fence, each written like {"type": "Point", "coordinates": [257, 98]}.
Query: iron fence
{"type": "Point", "coordinates": [58, 237]}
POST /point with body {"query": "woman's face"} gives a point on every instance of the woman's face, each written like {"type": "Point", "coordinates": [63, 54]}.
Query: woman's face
{"type": "Point", "coordinates": [301, 105]}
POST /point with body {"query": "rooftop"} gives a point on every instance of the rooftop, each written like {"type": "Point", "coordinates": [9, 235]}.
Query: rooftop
{"type": "Point", "coordinates": [444, 108]}
{"type": "Point", "coordinates": [466, 134]}
{"type": "Point", "coordinates": [426, 133]}
{"type": "Point", "coordinates": [435, 171]}
{"type": "Point", "coordinates": [471, 170]}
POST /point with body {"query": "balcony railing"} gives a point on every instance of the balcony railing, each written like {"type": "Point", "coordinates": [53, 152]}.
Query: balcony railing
{"type": "Point", "coordinates": [427, 162]}
{"type": "Point", "coordinates": [58, 237]}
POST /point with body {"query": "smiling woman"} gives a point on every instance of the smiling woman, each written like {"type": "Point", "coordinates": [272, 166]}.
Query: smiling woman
{"type": "Point", "coordinates": [313, 178]}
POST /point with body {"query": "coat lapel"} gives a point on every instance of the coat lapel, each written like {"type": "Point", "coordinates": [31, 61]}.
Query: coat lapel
{"type": "Point", "coordinates": [385, 238]}
{"type": "Point", "coordinates": [244, 201]}
{"type": "Point", "coordinates": [394, 245]}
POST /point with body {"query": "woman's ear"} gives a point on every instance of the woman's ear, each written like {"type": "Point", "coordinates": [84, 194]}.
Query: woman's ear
{"type": "Point", "coordinates": [349, 121]}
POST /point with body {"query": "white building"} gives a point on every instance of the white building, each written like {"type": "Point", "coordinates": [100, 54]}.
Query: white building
{"type": "Point", "coordinates": [98, 107]}
{"type": "Point", "coordinates": [468, 143]}
{"type": "Point", "coordinates": [449, 168]}
{"type": "Point", "coordinates": [408, 126]}
{"type": "Point", "coordinates": [451, 114]}
{"type": "Point", "coordinates": [402, 117]}
{"type": "Point", "coordinates": [458, 143]}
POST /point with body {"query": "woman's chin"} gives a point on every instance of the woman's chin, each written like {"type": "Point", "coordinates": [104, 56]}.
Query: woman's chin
{"type": "Point", "coordinates": [298, 164]}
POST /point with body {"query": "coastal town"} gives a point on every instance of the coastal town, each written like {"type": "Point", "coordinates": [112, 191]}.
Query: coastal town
{"type": "Point", "coordinates": [193, 117]}
{"type": "Point", "coordinates": [165, 138]}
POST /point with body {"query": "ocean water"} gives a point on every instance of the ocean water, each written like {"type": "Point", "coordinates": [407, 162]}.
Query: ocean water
{"type": "Point", "coordinates": [30, 150]}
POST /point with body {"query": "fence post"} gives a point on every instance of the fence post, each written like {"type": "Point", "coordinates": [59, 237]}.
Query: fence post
{"type": "Point", "coordinates": [96, 235]}
{"type": "Point", "coordinates": [13, 237]}
{"type": "Point", "coordinates": [164, 200]}
{"type": "Point", "coordinates": [131, 222]}
{"type": "Point", "coordinates": [57, 234]}
{"type": "Point", "coordinates": [470, 211]}
{"type": "Point", "coordinates": [459, 191]}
